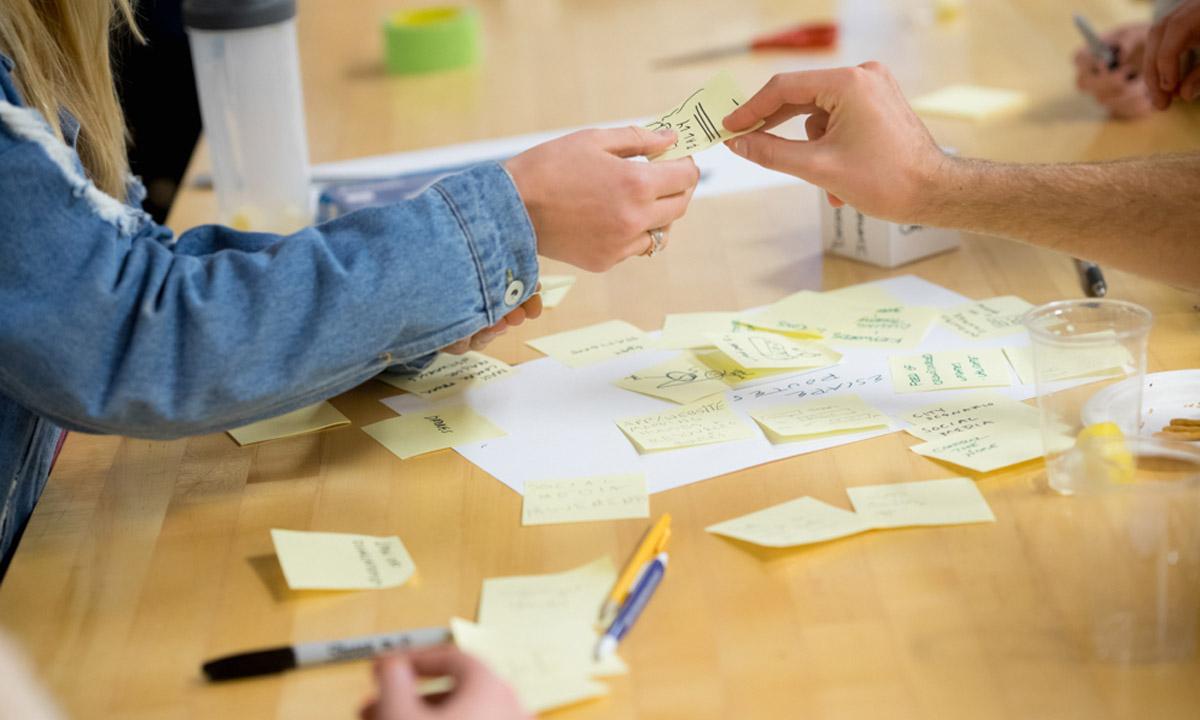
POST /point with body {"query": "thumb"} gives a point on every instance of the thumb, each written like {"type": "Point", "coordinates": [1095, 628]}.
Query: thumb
{"type": "Point", "coordinates": [794, 157]}
{"type": "Point", "coordinates": [632, 141]}
{"type": "Point", "coordinates": [398, 697]}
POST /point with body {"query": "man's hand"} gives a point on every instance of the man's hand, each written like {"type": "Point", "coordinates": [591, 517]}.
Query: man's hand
{"type": "Point", "coordinates": [591, 206]}
{"type": "Point", "coordinates": [1167, 49]}
{"type": "Point", "coordinates": [1121, 90]}
{"type": "Point", "coordinates": [865, 144]}
{"type": "Point", "coordinates": [477, 693]}
{"type": "Point", "coordinates": [531, 309]}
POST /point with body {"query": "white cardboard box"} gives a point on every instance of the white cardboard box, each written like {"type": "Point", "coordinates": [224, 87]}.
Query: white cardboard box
{"type": "Point", "coordinates": [847, 232]}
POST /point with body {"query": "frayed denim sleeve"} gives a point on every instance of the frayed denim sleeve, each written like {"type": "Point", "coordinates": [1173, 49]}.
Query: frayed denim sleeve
{"type": "Point", "coordinates": [105, 328]}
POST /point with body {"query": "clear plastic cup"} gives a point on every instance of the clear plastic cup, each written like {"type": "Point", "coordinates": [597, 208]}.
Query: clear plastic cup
{"type": "Point", "coordinates": [1119, 567]}
{"type": "Point", "coordinates": [1089, 360]}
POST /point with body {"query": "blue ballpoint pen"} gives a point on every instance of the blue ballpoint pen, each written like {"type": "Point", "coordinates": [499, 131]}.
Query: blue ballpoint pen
{"type": "Point", "coordinates": [638, 598]}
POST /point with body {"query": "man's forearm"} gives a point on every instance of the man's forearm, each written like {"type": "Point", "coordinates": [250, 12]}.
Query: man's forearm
{"type": "Point", "coordinates": [1141, 215]}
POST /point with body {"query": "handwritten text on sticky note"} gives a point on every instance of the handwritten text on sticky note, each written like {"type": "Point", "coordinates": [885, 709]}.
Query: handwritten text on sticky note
{"type": "Point", "coordinates": [949, 369]}
{"type": "Point", "coordinates": [697, 120]}
{"type": "Point", "coordinates": [701, 423]}
{"type": "Point", "coordinates": [339, 561]}
{"type": "Point", "coordinates": [593, 344]}
{"type": "Point", "coordinates": [434, 429]}
{"type": "Point", "coordinates": [606, 497]}
{"type": "Point", "coordinates": [450, 374]}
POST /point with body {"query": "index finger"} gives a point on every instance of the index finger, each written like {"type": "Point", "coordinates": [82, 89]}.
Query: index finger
{"type": "Point", "coordinates": [804, 89]}
{"type": "Point", "coordinates": [670, 177]}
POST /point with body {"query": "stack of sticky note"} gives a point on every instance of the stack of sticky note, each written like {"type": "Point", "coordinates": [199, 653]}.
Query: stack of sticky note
{"type": "Point", "coordinates": [538, 633]}
{"type": "Point", "coordinates": [806, 520]}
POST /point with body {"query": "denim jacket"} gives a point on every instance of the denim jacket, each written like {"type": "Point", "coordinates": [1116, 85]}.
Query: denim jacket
{"type": "Point", "coordinates": [110, 324]}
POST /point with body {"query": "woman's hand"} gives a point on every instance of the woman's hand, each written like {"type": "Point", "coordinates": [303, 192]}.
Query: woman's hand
{"type": "Point", "coordinates": [477, 693]}
{"type": "Point", "coordinates": [593, 207]}
{"type": "Point", "coordinates": [531, 309]}
{"type": "Point", "coordinates": [1121, 90]}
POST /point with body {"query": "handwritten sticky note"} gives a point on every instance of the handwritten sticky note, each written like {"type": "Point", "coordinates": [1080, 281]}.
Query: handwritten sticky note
{"type": "Point", "coordinates": [949, 370]}
{"type": "Point", "coordinates": [731, 373]}
{"type": "Point", "coordinates": [686, 331]}
{"type": "Point", "coordinates": [683, 379]}
{"type": "Point", "coordinates": [818, 416]}
{"type": "Point", "coordinates": [555, 288]}
{"type": "Point", "coordinates": [970, 102]}
{"type": "Point", "coordinates": [554, 604]}
{"type": "Point", "coordinates": [702, 423]}
{"type": "Point", "coordinates": [592, 344]}
{"type": "Point", "coordinates": [450, 374]}
{"type": "Point", "coordinates": [993, 317]}
{"type": "Point", "coordinates": [313, 418]}
{"type": "Point", "coordinates": [338, 561]}
{"type": "Point", "coordinates": [796, 522]}
{"type": "Point", "coordinates": [844, 320]}
{"type": "Point", "coordinates": [543, 670]}
{"type": "Point", "coordinates": [567, 500]}
{"type": "Point", "coordinates": [985, 451]}
{"type": "Point", "coordinates": [435, 429]}
{"type": "Point", "coordinates": [1067, 364]}
{"type": "Point", "coordinates": [971, 415]}
{"type": "Point", "coordinates": [698, 120]}
{"type": "Point", "coordinates": [955, 501]}
{"type": "Point", "coordinates": [758, 350]}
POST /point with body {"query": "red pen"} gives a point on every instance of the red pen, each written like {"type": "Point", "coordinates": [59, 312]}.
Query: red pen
{"type": "Point", "coordinates": [807, 36]}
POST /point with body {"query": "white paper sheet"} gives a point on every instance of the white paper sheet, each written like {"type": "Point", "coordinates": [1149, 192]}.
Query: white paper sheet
{"type": "Point", "coordinates": [560, 421]}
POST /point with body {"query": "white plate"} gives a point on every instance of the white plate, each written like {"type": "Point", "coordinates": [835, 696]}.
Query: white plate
{"type": "Point", "coordinates": [1174, 394]}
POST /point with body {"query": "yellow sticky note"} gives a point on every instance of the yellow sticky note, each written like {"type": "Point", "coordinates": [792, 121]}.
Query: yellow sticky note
{"type": "Point", "coordinates": [545, 669]}
{"type": "Point", "coordinates": [796, 522]}
{"type": "Point", "coordinates": [949, 370]}
{"type": "Point", "coordinates": [555, 288]}
{"type": "Point", "coordinates": [313, 418]}
{"type": "Point", "coordinates": [702, 423]}
{"type": "Point", "coordinates": [450, 374]}
{"type": "Point", "coordinates": [567, 500]}
{"type": "Point", "coordinates": [437, 429]}
{"type": "Point", "coordinates": [985, 451]}
{"type": "Point", "coordinates": [954, 501]}
{"type": "Point", "coordinates": [592, 344]}
{"type": "Point", "coordinates": [339, 561]}
{"type": "Point", "coordinates": [819, 416]}
{"type": "Point", "coordinates": [731, 373]}
{"type": "Point", "coordinates": [970, 102]}
{"type": "Point", "coordinates": [527, 600]}
{"type": "Point", "coordinates": [698, 120]}
{"type": "Point", "coordinates": [683, 379]}
{"type": "Point", "coordinates": [763, 350]}
{"type": "Point", "coordinates": [554, 604]}
{"type": "Point", "coordinates": [972, 414]}
{"type": "Point", "coordinates": [687, 331]}
{"type": "Point", "coordinates": [993, 317]}
{"type": "Point", "coordinates": [844, 320]}
{"type": "Point", "coordinates": [1067, 364]}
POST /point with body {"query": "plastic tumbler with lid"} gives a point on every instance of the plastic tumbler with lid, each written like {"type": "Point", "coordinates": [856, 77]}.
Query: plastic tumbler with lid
{"type": "Point", "coordinates": [248, 76]}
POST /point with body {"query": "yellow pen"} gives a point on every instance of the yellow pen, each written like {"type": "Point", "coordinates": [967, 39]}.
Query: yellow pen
{"type": "Point", "coordinates": [654, 542]}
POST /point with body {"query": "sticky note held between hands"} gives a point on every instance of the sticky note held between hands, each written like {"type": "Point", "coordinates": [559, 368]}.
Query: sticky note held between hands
{"type": "Point", "coordinates": [340, 561]}
{"type": "Point", "coordinates": [698, 121]}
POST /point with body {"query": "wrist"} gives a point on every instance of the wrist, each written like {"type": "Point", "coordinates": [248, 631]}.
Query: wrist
{"type": "Point", "coordinates": [939, 183]}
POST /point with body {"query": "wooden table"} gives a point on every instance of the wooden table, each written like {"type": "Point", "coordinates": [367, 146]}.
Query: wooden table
{"type": "Point", "coordinates": [145, 558]}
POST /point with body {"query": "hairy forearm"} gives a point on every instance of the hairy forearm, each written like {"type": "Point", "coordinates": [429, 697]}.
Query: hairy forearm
{"type": "Point", "coordinates": [1141, 215]}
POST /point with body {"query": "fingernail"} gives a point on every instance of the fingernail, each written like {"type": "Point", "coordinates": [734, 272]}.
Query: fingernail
{"type": "Point", "coordinates": [665, 133]}
{"type": "Point", "coordinates": [738, 145]}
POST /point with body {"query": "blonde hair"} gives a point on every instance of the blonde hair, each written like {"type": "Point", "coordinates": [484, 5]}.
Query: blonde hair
{"type": "Point", "coordinates": [61, 48]}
